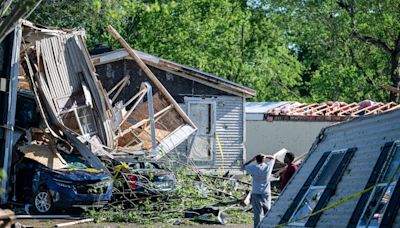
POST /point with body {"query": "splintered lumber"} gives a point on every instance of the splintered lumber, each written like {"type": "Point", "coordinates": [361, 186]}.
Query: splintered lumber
{"type": "Point", "coordinates": [74, 222]}
{"type": "Point", "coordinates": [149, 74]}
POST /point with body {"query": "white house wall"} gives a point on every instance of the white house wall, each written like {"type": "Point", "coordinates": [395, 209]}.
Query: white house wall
{"type": "Point", "coordinates": [369, 135]}
{"type": "Point", "coordinates": [268, 137]}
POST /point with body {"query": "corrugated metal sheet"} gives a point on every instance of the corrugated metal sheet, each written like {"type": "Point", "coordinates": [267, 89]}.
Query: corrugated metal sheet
{"type": "Point", "coordinates": [229, 127]}
{"type": "Point", "coordinates": [256, 110]}
{"type": "Point", "coordinates": [262, 107]}
{"type": "Point", "coordinates": [368, 134]}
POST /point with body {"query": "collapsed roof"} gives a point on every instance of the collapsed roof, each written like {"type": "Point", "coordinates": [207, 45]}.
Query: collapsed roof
{"type": "Point", "coordinates": [58, 68]}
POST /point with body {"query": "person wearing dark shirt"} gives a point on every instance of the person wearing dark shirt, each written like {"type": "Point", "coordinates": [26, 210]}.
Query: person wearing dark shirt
{"type": "Point", "coordinates": [290, 169]}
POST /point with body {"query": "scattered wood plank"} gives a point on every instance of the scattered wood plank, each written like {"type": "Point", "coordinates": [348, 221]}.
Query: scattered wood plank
{"type": "Point", "coordinates": [74, 222]}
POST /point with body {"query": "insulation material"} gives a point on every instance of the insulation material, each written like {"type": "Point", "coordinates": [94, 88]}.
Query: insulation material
{"type": "Point", "coordinates": [44, 155]}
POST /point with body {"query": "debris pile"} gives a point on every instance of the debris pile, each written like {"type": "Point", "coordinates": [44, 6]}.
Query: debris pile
{"type": "Point", "coordinates": [185, 196]}
{"type": "Point", "coordinates": [78, 145]}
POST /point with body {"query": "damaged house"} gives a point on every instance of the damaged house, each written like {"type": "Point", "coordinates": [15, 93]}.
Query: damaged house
{"type": "Point", "coordinates": [66, 121]}
{"type": "Point", "coordinates": [294, 125]}
{"type": "Point", "coordinates": [47, 162]}
{"type": "Point", "coordinates": [215, 105]}
{"type": "Point", "coordinates": [354, 167]}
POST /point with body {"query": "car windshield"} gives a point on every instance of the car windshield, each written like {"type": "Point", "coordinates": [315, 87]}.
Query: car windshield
{"type": "Point", "coordinates": [75, 161]}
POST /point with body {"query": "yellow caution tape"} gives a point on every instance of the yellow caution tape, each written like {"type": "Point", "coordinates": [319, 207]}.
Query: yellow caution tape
{"type": "Point", "coordinates": [329, 207]}
{"type": "Point", "coordinates": [118, 168]}
{"type": "Point", "coordinates": [220, 149]}
{"type": "Point", "coordinates": [92, 170]}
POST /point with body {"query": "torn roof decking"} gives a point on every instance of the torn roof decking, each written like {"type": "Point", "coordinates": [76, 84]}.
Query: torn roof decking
{"type": "Point", "coordinates": [178, 69]}
{"type": "Point", "coordinates": [330, 111]}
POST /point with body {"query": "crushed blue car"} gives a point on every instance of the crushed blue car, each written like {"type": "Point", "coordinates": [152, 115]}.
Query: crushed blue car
{"type": "Point", "coordinates": [48, 190]}
{"type": "Point", "coordinates": [49, 174]}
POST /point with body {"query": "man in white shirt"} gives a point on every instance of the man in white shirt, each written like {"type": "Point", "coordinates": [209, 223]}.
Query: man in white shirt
{"type": "Point", "coordinates": [261, 192]}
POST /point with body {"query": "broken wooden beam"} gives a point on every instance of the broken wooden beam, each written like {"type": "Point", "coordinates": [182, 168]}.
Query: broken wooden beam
{"type": "Point", "coordinates": [149, 74]}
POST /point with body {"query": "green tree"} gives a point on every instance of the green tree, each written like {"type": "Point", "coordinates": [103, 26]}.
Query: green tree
{"type": "Point", "coordinates": [349, 48]}
{"type": "Point", "coordinates": [231, 39]}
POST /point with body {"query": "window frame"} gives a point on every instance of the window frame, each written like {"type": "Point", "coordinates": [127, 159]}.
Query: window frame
{"type": "Point", "coordinates": [74, 111]}
{"type": "Point", "coordinates": [373, 178]}
{"type": "Point", "coordinates": [379, 182]}
{"type": "Point", "coordinates": [313, 187]}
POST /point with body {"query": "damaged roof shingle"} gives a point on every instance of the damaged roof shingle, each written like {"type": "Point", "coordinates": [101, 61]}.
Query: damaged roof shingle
{"type": "Point", "coordinates": [329, 111]}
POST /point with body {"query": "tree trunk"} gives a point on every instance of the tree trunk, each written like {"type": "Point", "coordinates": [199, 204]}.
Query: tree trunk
{"type": "Point", "coordinates": [395, 74]}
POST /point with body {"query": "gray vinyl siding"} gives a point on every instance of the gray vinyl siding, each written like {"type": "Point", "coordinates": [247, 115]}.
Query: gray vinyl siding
{"type": "Point", "coordinates": [229, 127]}
{"type": "Point", "coordinates": [369, 135]}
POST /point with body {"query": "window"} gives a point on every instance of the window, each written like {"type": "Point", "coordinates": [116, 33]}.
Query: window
{"type": "Point", "coordinates": [381, 195]}
{"type": "Point", "coordinates": [80, 120]}
{"type": "Point", "coordinates": [318, 188]}
{"type": "Point", "coordinates": [86, 120]}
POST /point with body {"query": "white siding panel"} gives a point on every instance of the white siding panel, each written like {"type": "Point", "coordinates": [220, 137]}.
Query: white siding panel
{"type": "Point", "coordinates": [368, 135]}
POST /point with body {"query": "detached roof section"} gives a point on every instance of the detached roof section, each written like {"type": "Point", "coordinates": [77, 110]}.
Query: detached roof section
{"type": "Point", "coordinates": [330, 111]}
{"type": "Point", "coordinates": [178, 69]}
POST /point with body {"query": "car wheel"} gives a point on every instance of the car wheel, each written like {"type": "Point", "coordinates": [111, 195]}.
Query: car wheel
{"type": "Point", "coordinates": [43, 203]}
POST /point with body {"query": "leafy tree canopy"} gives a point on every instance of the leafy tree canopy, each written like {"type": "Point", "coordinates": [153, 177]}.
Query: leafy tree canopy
{"type": "Point", "coordinates": [286, 49]}
{"type": "Point", "coordinates": [227, 38]}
